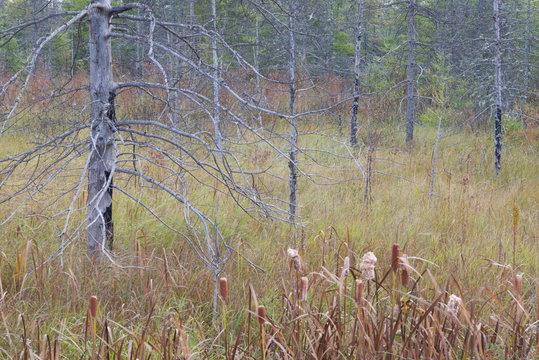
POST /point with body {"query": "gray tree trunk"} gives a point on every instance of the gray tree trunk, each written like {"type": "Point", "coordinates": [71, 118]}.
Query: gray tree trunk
{"type": "Point", "coordinates": [102, 153]}
{"type": "Point", "coordinates": [410, 83]}
{"type": "Point", "coordinates": [498, 89]}
{"type": "Point", "coordinates": [138, 50]}
{"type": "Point", "coordinates": [293, 131]}
{"type": "Point", "coordinates": [216, 88]}
{"type": "Point", "coordinates": [355, 105]}
{"type": "Point", "coordinates": [257, 67]}
{"type": "Point", "coordinates": [527, 54]}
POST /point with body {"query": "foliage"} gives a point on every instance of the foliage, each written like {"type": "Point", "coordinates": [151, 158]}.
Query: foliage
{"type": "Point", "coordinates": [341, 44]}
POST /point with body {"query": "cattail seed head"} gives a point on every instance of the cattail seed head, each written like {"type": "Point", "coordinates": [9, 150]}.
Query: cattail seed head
{"type": "Point", "coordinates": [93, 306]}
{"type": "Point", "coordinates": [261, 311]}
{"type": "Point", "coordinates": [395, 257]}
{"type": "Point", "coordinates": [516, 217]}
{"type": "Point", "coordinates": [346, 267]}
{"type": "Point", "coordinates": [223, 288]}
{"type": "Point", "coordinates": [517, 284]}
{"type": "Point", "coordinates": [405, 277]}
{"type": "Point", "coordinates": [368, 263]}
{"type": "Point", "coordinates": [453, 305]}
{"type": "Point", "coordinates": [405, 269]}
{"type": "Point", "coordinates": [358, 292]}
{"type": "Point", "coordinates": [304, 286]}
{"type": "Point", "coordinates": [295, 258]}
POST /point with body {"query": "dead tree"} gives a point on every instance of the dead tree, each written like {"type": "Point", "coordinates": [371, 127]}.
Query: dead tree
{"type": "Point", "coordinates": [357, 63]}
{"type": "Point", "coordinates": [292, 162]}
{"type": "Point", "coordinates": [128, 156]}
{"type": "Point", "coordinates": [102, 122]}
{"type": "Point", "coordinates": [498, 90]}
{"type": "Point", "coordinates": [410, 80]}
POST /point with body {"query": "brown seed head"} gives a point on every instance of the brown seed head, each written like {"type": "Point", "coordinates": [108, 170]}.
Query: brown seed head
{"type": "Point", "coordinates": [405, 277]}
{"type": "Point", "coordinates": [358, 292]}
{"type": "Point", "coordinates": [223, 288]}
{"type": "Point", "coordinates": [395, 257]}
{"type": "Point", "coordinates": [261, 311]}
{"type": "Point", "coordinates": [367, 265]}
{"type": "Point", "coordinates": [304, 286]}
{"type": "Point", "coordinates": [517, 284]}
{"type": "Point", "coordinates": [93, 306]}
{"type": "Point", "coordinates": [346, 267]}
{"type": "Point", "coordinates": [295, 258]}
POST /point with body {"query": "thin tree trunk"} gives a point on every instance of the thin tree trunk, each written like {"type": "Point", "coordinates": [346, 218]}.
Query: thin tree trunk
{"type": "Point", "coordinates": [138, 49]}
{"type": "Point", "coordinates": [293, 131]}
{"type": "Point", "coordinates": [498, 89]}
{"type": "Point", "coordinates": [355, 105]}
{"type": "Point", "coordinates": [216, 88]}
{"type": "Point", "coordinates": [410, 97]}
{"type": "Point", "coordinates": [433, 168]}
{"type": "Point", "coordinates": [100, 226]}
{"type": "Point", "coordinates": [527, 54]}
{"type": "Point", "coordinates": [257, 66]}
{"type": "Point", "coordinates": [453, 33]}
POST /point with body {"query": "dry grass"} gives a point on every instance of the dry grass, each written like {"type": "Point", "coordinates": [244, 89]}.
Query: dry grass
{"type": "Point", "coordinates": [476, 238]}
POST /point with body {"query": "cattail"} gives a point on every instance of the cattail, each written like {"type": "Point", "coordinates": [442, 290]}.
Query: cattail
{"type": "Point", "coordinates": [516, 217]}
{"type": "Point", "coordinates": [368, 262]}
{"type": "Point", "coordinates": [404, 266]}
{"type": "Point", "coordinates": [295, 258]}
{"type": "Point", "coordinates": [395, 257]}
{"type": "Point", "coordinates": [223, 288]}
{"type": "Point", "coordinates": [93, 306]}
{"type": "Point", "coordinates": [346, 267]}
{"type": "Point", "coordinates": [358, 292]}
{"type": "Point", "coordinates": [517, 284]}
{"type": "Point", "coordinates": [261, 311]}
{"type": "Point", "coordinates": [405, 277]}
{"type": "Point", "coordinates": [304, 285]}
{"type": "Point", "coordinates": [453, 305]}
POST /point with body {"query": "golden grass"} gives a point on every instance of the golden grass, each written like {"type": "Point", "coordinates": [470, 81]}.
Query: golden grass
{"type": "Point", "coordinates": [460, 241]}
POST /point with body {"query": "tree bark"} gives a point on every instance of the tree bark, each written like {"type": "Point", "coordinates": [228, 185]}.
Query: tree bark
{"type": "Point", "coordinates": [410, 83]}
{"type": "Point", "coordinates": [355, 105]}
{"type": "Point", "coordinates": [102, 155]}
{"type": "Point", "coordinates": [527, 54]}
{"type": "Point", "coordinates": [293, 131]}
{"type": "Point", "coordinates": [498, 89]}
{"type": "Point", "coordinates": [216, 88]}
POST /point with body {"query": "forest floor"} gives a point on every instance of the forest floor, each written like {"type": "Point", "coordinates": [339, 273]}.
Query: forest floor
{"type": "Point", "coordinates": [475, 237]}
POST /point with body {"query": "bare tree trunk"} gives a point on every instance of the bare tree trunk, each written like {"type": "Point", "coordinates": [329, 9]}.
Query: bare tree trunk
{"type": "Point", "coordinates": [355, 105]}
{"type": "Point", "coordinates": [433, 168]}
{"type": "Point", "coordinates": [257, 67]}
{"type": "Point", "coordinates": [410, 97]}
{"type": "Point", "coordinates": [139, 50]}
{"type": "Point", "coordinates": [216, 88]}
{"type": "Point", "coordinates": [102, 154]}
{"type": "Point", "coordinates": [293, 131]}
{"type": "Point", "coordinates": [527, 55]}
{"type": "Point", "coordinates": [498, 88]}
{"type": "Point", "coordinates": [453, 34]}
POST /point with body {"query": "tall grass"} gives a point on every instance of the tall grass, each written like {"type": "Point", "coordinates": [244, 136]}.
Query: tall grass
{"type": "Point", "coordinates": [462, 282]}
{"type": "Point", "coordinates": [460, 243]}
